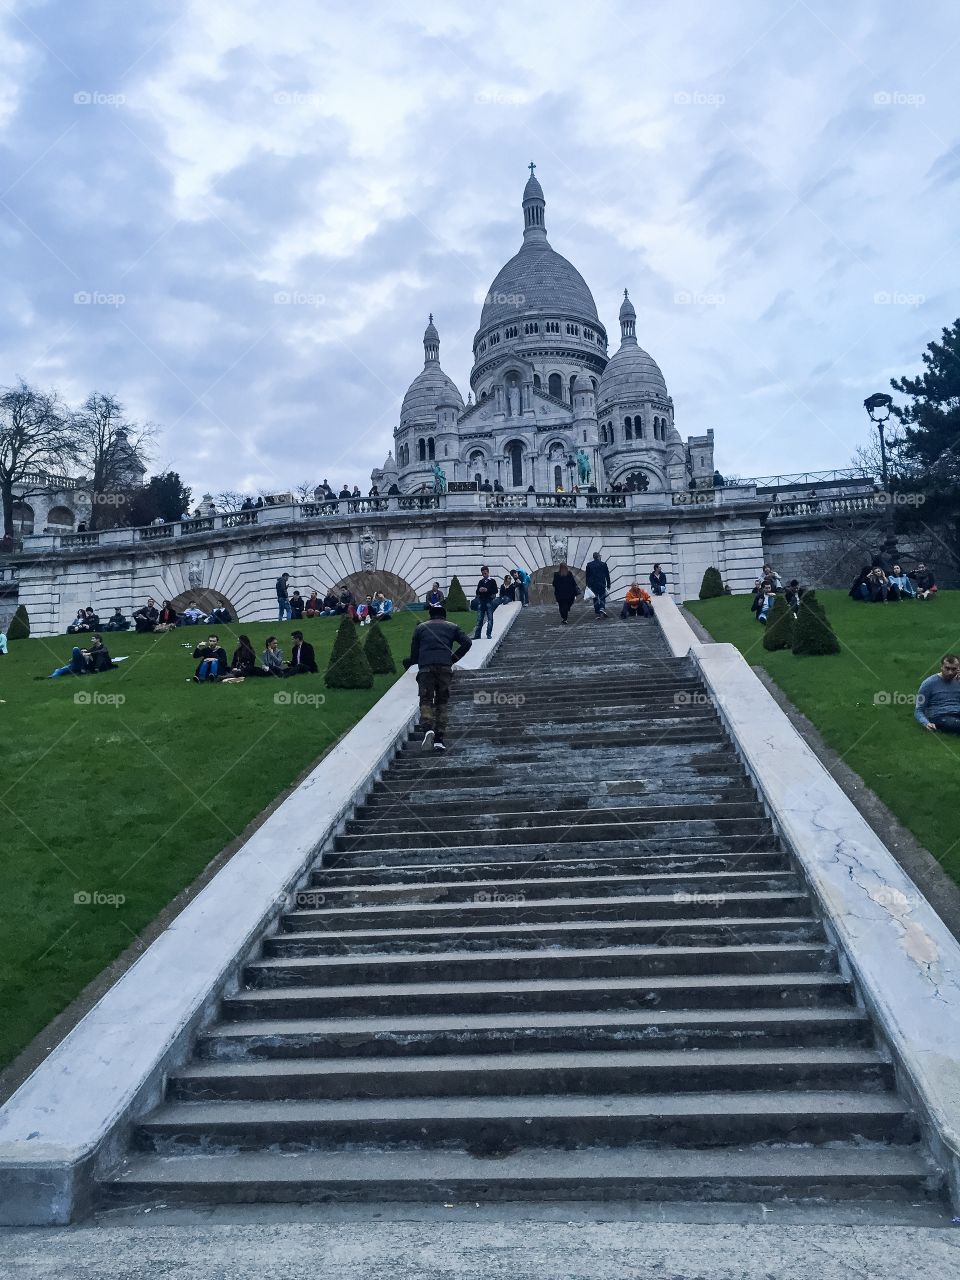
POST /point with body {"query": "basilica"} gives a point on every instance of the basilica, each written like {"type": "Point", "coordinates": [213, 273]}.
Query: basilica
{"type": "Point", "coordinates": [549, 407]}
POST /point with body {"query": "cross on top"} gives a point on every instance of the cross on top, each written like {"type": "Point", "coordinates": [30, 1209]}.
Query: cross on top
{"type": "Point", "coordinates": [531, 167]}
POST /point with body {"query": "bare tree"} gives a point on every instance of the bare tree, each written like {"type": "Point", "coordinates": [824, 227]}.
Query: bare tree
{"type": "Point", "coordinates": [229, 500]}
{"type": "Point", "coordinates": [35, 437]}
{"type": "Point", "coordinates": [112, 451]}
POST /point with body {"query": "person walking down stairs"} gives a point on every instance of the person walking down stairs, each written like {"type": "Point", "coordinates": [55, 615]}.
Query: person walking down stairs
{"type": "Point", "coordinates": [598, 580]}
{"type": "Point", "coordinates": [436, 646]}
{"type": "Point", "coordinates": [565, 590]}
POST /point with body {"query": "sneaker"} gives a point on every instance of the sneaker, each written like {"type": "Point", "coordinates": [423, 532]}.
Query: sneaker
{"type": "Point", "coordinates": [438, 746]}
{"type": "Point", "coordinates": [603, 613]}
{"type": "Point", "coordinates": [428, 741]}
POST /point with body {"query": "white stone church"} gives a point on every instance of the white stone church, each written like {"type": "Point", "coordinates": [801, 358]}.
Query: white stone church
{"type": "Point", "coordinates": [548, 407]}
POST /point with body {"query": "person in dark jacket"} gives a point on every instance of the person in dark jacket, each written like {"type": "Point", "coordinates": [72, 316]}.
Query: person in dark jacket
{"type": "Point", "coordinates": [658, 581]}
{"type": "Point", "coordinates": [168, 615]}
{"type": "Point", "coordinates": [436, 646]}
{"type": "Point", "coordinates": [244, 660]}
{"type": "Point", "coordinates": [98, 657]}
{"type": "Point", "coordinates": [598, 580]}
{"type": "Point", "coordinates": [283, 597]}
{"type": "Point", "coordinates": [213, 660]}
{"type": "Point", "coordinates": [565, 590]}
{"type": "Point", "coordinates": [488, 590]}
{"type": "Point", "coordinates": [303, 660]}
{"type": "Point", "coordinates": [147, 617]}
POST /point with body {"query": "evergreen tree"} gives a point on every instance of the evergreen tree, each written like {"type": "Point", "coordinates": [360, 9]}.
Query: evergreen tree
{"type": "Point", "coordinates": [778, 633]}
{"type": "Point", "coordinates": [456, 600]}
{"type": "Point", "coordinates": [348, 667]}
{"type": "Point", "coordinates": [812, 632]}
{"type": "Point", "coordinates": [377, 651]}
{"type": "Point", "coordinates": [712, 585]}
{"type": "Point", "coordinates": [19, 628]}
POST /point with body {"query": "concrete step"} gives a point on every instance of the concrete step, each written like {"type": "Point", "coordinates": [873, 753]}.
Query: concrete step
{"type": "Point", "coordinates": [487, 1127]}
{"type": "Point", "coordinates": [408, 1034]}
{"type": "Point", "coordinates": [515, 905]}
{"type": "Point", "coordinates": [552, 963]}
{"type": "Point", "coordinates": [483, 1075]}
{"type": "Point", "coordinates": [558, 831]}
{"type": "Point", "coordinates": [868, 1172]}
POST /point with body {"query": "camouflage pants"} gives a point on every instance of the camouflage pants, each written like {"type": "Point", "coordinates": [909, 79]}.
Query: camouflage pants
{"type": "Point", "coordinates": [434, 685]}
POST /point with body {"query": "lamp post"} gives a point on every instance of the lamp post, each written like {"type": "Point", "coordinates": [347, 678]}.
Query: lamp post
{"type": "Point", "coordinates": [878, 410]}
{"type": "Point", "coordinates": [571, 463]}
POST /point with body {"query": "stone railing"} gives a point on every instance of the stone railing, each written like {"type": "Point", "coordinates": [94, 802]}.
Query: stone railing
{"type": "Point", "coordinates": [421, 501]}
{"type": "Point", "coordinates": [871, 503]}
{"type": "Point", "coordinates": [607, 500]}
{"type": "Point", "coordinates": [507, 500]}
{"type": "Point", "coordinates": [557, 499]}
{"type": "Point", "coordinates": [156, 532]}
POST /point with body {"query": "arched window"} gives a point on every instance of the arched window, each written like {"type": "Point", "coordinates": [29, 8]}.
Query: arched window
{"type": "Point", "coordinates": [555, 386]}
{"type": "Point", "coordinates": [628, 428]}
{"type": "Point", "coordinates": [536, 381]}
{"type": "Point", "coordinates": [572, 381]}
{"type": "Point", "coordinates": [483, 395]}
{"type": "Point", "coordinates": [515, 454]}
{"type": "Point", "coordinates": [23, 517]}
{"type": "Point", "coordinates": [60, 518]}
{"type": "Point", "coordinates": [558, 477]}
{"type": "Point", "coordinates": [431, 449]}
{"type": "Point", "coordinates": [422, 450]}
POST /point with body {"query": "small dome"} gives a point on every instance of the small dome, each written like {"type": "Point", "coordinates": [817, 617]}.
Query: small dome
{"type": "Point", "coordinates": [582, 383]}
{"type": "Point", "coordinates": [430, 334]}
{"type": "Point", "coordinates": [626, 308]}
{"type": "Point", "coordinates": [429, 389]}
{"type": "Point", "coordinates": [631, 374]}
{"type": "Point", "coordinates": [533, 190]}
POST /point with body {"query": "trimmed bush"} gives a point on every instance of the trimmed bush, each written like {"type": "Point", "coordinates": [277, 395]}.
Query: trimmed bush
{"type": "Point", "coordinates": [348, 667]}
{"type": "Point", "coordinates": [712, 584]}
{"type": "Point", "coordinates": [812, 632]}
{"type": "Point", "coordinates": [456, 600]}
{"type": "Point", "coordinates": [377, 651]}
{"type": "Point", "coordinates": [778, 633]}
{"type": "Point", "coordinates": [19, 628]}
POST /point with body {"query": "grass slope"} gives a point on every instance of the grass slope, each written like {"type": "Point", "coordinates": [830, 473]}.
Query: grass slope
{"type": "Point", "coordinates": [135, 797]}
{"type": "Point", "coordinates": [861, 700]}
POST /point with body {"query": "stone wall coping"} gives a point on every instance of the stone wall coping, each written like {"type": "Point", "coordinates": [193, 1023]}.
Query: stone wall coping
{"type": "Point", "coordinates": [904, 957]}
{"type": "Point", "coordinates": [61, 1119]}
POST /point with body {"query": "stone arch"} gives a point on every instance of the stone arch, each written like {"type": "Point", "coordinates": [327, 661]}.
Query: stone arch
{"type": "Point", "coordinates": [555, 385]}
{"type": "Point", "coordinates": [515, 451]}
{"type": "Point", "coordinates": [204, 598]}
{"type": "Point", "coordinates": [60, 517]}
{"type": "Point", "coordinates": [369, 581]}
{"type": "Point", "coordinates": [23, 519]}
{"type": "Point", "coordinates": [541, 583]}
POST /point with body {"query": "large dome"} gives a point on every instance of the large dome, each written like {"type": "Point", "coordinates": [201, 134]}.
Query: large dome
{"type": "Point", "coordinates": [537, 279]}
{"type": "Point", "coordinates": [631, 374]}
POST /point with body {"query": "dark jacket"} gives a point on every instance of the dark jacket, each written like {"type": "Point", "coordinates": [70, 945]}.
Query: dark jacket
{"type": "Point", "coordinates": [282, 592]}
{"type": "Point", "coordinates": [488, 589]}
{"type": "Point", "coordinates": [598, 575]}
{"type": "Point", "coordinates": [244, 658]}
{"type": "Point", "coordinates": [565, 587]}
{"type": "Point", "coordinates": [203, 653]}
{"type": "Point", "coordinates": [659, 583]}
{"type": "Point", "coordinates": [303, 656]}
{"type": "Point", "coordinates": [433, 644]}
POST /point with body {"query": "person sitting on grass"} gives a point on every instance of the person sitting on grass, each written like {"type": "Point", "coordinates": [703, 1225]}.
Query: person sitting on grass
{"type": "Point", "coordinates": [901, 588]}
{"type": "Point", "coordinates": [168, 615]}
{"type": "Point", "coordinates": [926, 585]}
{"type": "Point", "coordinates": [877, 584]}
{"type": "Point", "coordinates": [938, 699]}
{"type": "Point", "coordinates": [147, 617]}
{"type": "Point", "coordinates": [296, 606]}
{"type": "Point", "coordinates": [435, 596]}
{"type": "Point", "coordinates": [78, 624]}
{"type": "Point", "coordinates": [77, 666]}
{"type": "Point", "coordinates": [85, 662]}
{"type": "Point", "coordinates": [384, 607]}
{"type": "Point", "coordinates": [793, 593]}
{"type": "Point", "coordinates": [312, 606]}
{"type": "Point", "coordinates": [362, 612]}
{"type": "Point", "coordinates": [244, 660]}
{"type": "Point", "coordinates": [331, 604]}
{"type": "Point", "coordinates": [213, 660]}
{"type": "Point", "coordinates": [765, 599]}
{"type": "Point", "coordinates": [271, 660]}
{"type": "Point", "coordinates": [303, 660]}
{"type": "Point", "coordinates": [191, 615]}
{"type": "Point", "coordinates": [117, 621]}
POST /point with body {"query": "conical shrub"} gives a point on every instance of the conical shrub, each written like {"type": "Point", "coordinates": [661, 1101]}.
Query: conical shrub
{"type": "Point", "coordinates": [812, 632]}
{"type": "Point", "coordinates": [712, 584]}
{"type": "Point", "coordinates": [456, 600]}
{"type": "Point", "coordinates": [778, 633]}
{"type": "Point", "coordinates": [348, 667]}
{"type": "Point", "coordinates": [19, 628]}
{"type": "Point", "coordinates": [377, 651]}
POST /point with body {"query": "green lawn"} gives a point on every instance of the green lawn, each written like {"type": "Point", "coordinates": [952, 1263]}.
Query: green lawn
{"type": "Point", "coordinates": [134, 795]}
{"type": "Point", "coordinates": [861, 700]}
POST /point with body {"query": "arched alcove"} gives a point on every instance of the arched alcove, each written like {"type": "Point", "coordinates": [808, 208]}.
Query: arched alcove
{"type": "Point", "coordinates": [204, 598]}
{"type": "Point", "coordinates": [541, 584]}
{"type": "Point", "coordinates": [367, 583]}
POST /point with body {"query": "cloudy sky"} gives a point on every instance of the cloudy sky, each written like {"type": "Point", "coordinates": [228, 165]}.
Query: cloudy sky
{"type": "Point", "coordinates": [776, 183]}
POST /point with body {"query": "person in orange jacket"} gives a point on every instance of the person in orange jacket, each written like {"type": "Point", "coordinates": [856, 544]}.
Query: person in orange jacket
{"type": "Point", "coordinates": [636, 602]}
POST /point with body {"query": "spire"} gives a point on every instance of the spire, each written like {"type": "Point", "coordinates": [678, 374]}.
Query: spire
{"type": "Point", "coordinates": [431, 343]}
{"type": "Point", "coordinates": [534, 226]}
{"type": "Point", "coordinates": [628, 320]}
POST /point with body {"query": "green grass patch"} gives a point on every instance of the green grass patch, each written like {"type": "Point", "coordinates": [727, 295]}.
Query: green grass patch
{"type": "Point", "coordinates": [861, 699]}
{"type": "Point", "coordinates": [135, 797]}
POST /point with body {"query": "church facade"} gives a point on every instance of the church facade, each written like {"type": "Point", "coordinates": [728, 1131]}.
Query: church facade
{"type": "Point", "coordinates": [548, 408]}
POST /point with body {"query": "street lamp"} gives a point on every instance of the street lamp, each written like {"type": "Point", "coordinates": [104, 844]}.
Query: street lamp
{"type": "Point", "coordinates": [571, 463]}
{"type": "Point", "coordinates": [878, 409]}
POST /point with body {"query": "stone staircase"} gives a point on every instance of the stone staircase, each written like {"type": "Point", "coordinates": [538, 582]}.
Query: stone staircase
{"type": "Point", "coordinates": [569, 960]}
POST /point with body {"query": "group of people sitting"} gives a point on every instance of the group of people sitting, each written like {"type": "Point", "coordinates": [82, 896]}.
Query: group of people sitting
{"type": "Point", "coordinates": [377, 607]}
{"type": "Point", "coordinates": [149, 617]}
{"type": "Point", "coordinates": [768, 587]}
{"type": "Point", "coordinates": [213, 667]}
{"type": "Point", "coordinates": [874, 585]}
